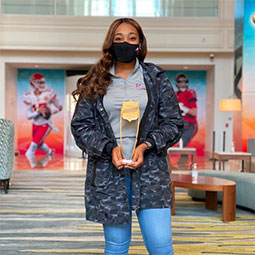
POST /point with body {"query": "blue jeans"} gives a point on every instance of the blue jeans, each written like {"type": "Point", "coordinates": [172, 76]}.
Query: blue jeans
{"type": "Point", "coordinates": [155, 225]}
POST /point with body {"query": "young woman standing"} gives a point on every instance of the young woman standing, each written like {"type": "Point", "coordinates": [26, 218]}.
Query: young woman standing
{"type": "Point", "coordinates": [127, 169]}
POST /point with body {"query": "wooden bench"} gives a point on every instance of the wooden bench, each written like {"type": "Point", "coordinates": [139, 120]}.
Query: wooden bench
{"type": "Point", "coordinates": [211, 185]}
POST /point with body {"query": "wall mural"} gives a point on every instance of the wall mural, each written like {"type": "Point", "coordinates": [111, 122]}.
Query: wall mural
{"type": "Point", "coordinates": [248, 88]}
{"type": "Point", "coordinates": [190, 87]}
{"type": "Point", "coordinates": [238, 69]}
{"type": "Point", "coordinates": [40, 127]}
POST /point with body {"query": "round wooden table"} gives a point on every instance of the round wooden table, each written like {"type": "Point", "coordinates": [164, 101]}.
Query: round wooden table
{"type": "Point", "coordinates": [211, 185]}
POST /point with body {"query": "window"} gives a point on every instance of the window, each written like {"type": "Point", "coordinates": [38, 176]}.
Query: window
{"type": "Point", "coordinates": [148, 8]}
{"type": "Point", "coordinates": [191, 8]}
{"type": "Point", "coordinates": [38, 7]}
{"type": "Point", "coordinates": [122, 8]}
{"type": "Point", "coordinates": [135, 8]}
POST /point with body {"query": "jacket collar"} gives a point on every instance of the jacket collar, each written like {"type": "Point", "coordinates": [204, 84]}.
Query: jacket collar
{"type": "Point", "coordinates": [112, 69]}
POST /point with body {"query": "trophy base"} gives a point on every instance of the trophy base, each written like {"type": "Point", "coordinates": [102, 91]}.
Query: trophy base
{"type": "Point", "coordinates": [127, 161]}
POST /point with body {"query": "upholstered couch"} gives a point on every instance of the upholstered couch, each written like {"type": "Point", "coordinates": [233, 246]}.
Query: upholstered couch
{"type": "Point", "coordinates": [245, 187]}
{"type": "Point", "coordinates": [6, 152]}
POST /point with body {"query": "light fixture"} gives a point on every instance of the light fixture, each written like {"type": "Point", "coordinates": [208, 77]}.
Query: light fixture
{"type": "Point", "coordinates": [230, 105]}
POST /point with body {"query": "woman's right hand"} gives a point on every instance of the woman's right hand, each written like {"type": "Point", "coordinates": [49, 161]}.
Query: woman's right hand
{"type": "Point", "coordinates": [117, 158]}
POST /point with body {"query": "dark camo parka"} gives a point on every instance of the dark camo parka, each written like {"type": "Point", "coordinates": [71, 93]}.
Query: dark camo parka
{"type": "Point", "coordinates": [106, 197]}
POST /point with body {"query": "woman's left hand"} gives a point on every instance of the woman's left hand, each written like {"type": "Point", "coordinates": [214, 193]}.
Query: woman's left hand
{"type": "Point", "coordinates": [137, 159]}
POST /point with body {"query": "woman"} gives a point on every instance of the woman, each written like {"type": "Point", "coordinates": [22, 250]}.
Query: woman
{"type": "Point", "coordinates": [114, 187]}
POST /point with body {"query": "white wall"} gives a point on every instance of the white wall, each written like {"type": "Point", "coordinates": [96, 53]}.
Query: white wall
{"type": "Point", "coordinates": [223, 88]}
{"type": "Point", "coordinates": [87, 33]}
{"type": "Point", "coordinates": [11, 95]}
{"type": "Point", "coordinates": [71, 148]}
{"type": "Point", "coordinates": [209, 143]}
{"type": "Point", "coordinates": [2, 87]}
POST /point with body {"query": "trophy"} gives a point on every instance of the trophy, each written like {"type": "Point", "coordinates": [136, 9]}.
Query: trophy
{"type": "Point", "coordinates": [130, 111]}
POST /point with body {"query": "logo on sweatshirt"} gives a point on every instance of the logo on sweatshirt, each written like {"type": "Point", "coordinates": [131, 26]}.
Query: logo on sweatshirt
{"type": "Point", "coordinates": [138, 85]}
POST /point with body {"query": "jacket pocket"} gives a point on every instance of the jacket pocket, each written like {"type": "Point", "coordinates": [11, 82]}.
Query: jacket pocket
{"type": "Point", "coordinates": [102, 173]}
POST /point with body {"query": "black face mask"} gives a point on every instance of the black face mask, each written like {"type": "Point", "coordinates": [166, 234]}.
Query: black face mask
{"type": "Point", "coordinates": [124, 52]}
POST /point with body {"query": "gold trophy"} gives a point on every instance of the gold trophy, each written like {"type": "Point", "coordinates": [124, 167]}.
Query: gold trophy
{"type": "Point", "coordinates": [130, 111]}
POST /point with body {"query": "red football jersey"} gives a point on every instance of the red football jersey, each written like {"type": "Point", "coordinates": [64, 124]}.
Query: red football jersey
{"type": "Point", "coordinates": [189, 99]}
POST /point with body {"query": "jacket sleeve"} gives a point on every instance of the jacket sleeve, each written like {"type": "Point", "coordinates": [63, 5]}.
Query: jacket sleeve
{"type": "Point", "coordinates": [170, 123]}
{"type": "Point", "coordinates": [84, 129]}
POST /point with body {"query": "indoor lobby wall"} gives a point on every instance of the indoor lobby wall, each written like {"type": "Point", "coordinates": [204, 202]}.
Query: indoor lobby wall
{"type": "Point", "coordinates": [71, 42]}
{"type": "Point", "coordinates": [219, 77]}
{"type": "Point", "coordinates": [11, 95]}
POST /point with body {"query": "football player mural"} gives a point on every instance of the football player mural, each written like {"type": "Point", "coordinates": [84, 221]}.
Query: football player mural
{"type": "Point", "coordinates": [191, 92]}
{"type": "Point", "coordinates": [41, 103]}
{"type": "Point", "coordinates": [187, 99]}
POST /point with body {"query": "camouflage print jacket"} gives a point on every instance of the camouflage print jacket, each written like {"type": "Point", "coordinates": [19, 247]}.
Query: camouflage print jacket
{"type": "Point", "coordinates": [105, 188]}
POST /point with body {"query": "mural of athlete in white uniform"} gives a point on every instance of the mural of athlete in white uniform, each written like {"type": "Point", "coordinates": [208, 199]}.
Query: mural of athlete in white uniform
{"type": "Point", "coordinates": [41, 103]}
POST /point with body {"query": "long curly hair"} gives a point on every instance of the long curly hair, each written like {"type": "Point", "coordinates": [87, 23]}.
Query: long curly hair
{"type": "Point", "coordinates": [98, 78]}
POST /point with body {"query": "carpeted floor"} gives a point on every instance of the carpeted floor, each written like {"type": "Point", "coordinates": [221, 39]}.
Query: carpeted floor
{"type": "Point", "coordinates": [43, 213]}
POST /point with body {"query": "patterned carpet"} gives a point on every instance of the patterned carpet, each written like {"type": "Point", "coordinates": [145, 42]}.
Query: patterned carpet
{"type": "Point", "coordinates": [43, 213]}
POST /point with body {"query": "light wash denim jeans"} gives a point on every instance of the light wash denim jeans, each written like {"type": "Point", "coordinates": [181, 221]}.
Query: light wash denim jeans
{"type": "Point", "coordinates": [155, 225]}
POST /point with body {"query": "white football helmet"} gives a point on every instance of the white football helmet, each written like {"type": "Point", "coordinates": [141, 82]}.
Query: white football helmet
{"type": "Point", "coordinates": [35, 80]}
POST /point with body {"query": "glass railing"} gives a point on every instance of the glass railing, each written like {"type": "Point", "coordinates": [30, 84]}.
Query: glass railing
{"type": "Point", "coordinates": [133, 8]}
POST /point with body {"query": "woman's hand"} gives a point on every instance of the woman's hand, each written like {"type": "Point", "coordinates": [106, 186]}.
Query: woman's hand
{"type": "Point", "coordinates": [117, 158]}
{"type": "Point", "coordinates": [137, 159]}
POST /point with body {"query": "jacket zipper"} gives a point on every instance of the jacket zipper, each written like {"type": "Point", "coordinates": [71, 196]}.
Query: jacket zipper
{"type": "Point", "coordinates": [103, 114]}
{"type": "Point", "coordinates": [142, 124]}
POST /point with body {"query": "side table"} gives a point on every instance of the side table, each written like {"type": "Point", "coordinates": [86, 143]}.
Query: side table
{"type": "Point", "coordinates": [182, 151]}
{"type": "Point", "coordinates": [221, 156]}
